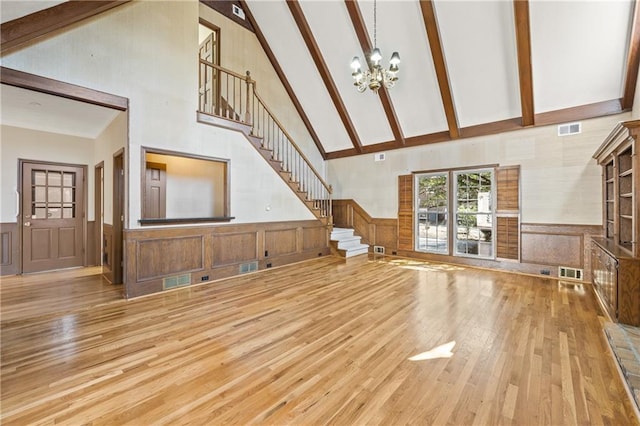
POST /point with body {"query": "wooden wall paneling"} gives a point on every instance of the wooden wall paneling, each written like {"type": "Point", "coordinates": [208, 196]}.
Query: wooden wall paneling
{"type": "Point", "coordinates": [314, 238]}
{"type": "Point", "coordinates": [163, 257]}
{"type": "Point", "coordinates": [386, 233]}
{"type": "Point", "coordinates": [550, 249]}
{"type": "Point", "coordinates": [107, 250]}
{"type": "Point", "coordinates": [340, 210]}
{"type": "Point", "coordinates": [405, 213]}
{"type": "Point", "coordinates": [280, 242]}
{"type": "Point", "coordinates": [235, 248]}
{"type": "Point", "coordinates": [213, 252]}
{"type": "Point", "coordinates": [9, 249]}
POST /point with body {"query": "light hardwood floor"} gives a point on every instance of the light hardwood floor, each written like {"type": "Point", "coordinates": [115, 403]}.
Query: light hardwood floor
{"type": "Point", "coordinates": [364, 341]}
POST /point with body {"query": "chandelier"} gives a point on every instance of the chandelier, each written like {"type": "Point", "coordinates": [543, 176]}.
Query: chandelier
{"type": "Point", "coordinates": [375, 76]}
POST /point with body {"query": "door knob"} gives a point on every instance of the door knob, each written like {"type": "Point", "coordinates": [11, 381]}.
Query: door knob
{"type": "Point", "coordinates": [27, 224]}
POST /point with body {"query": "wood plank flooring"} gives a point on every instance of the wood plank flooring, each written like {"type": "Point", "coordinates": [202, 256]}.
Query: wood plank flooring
{"type": "Point", "coordinates": [366, 341]}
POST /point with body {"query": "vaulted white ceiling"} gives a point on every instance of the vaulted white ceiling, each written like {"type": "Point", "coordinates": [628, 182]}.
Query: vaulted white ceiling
{"type": "Point", "coordinates": [578, 51]}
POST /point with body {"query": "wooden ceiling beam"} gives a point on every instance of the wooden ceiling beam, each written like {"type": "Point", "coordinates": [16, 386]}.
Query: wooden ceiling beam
{"type": "Point", "coordinates": [633, 61]}
{"type": "Point", "coordinates": [23, 30]}
{"type": "Point", "coordinates": [437, 54]}
{"type": "Point", "coordinates": [74, 92]}
{"type": "Point", "coordinates": [365, 44]}
{"type": "Point", "coordinates": [323, 70]}
{"type": "Point", "coordinates": [525, 73]}
{"type": "Point", "coordinates": [283, 78]}
{"type": "Point", "coordinates": [582, 112]}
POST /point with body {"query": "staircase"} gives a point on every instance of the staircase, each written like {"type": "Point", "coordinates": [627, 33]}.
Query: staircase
{"type": "Point", "coordinates": [230, 100]}
{"type": "Point", "coordinates": [346, 243]}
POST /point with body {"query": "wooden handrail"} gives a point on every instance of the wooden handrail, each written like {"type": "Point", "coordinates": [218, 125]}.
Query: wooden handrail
{"type": "Point", "coordinates": [304, 157]}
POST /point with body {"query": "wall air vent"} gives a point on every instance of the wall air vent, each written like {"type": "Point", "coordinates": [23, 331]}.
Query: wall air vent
{"type": "Point", "coordinates": [237, 11]}
{"type": "Point", "coordinates": [379, 156]}
{"type": "Point", "coordinates": [248, 267]}
{"type": "Point", "coordinates": [177, 281]}
{"type": "Point", "coordinates": [571, 273]}
{"type": "Point", "coordinates": [569, 129]}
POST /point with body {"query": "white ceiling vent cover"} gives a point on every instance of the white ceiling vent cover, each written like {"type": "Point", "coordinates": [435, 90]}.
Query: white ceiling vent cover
{"type": "Point", "coordinates": [569, 129]}
{"type": "Point", "coordinates": [237, 11]}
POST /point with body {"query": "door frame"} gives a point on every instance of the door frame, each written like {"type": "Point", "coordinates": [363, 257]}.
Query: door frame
{"type": "Point", "coordinates": [119, 216]}
{"type": "Point", "coordinates": [21, 163]}
{"type": "Point", "coordinates": [63, 89]}
{"type": "Point", "coordinates": [98, 211]}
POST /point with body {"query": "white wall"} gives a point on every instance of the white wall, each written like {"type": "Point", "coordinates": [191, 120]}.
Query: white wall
{"type": "Point", "coordinates": [17, 143]}
{"type": "Point", "coordinates": [147, 51]}
{"type": "Point", "coordinates": [560, 182]}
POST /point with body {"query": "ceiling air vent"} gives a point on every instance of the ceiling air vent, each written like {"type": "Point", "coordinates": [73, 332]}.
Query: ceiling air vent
{"type": "Point", "coordinates": [237, 11]}
{"type": "Point", "coordinates": [569, 129]}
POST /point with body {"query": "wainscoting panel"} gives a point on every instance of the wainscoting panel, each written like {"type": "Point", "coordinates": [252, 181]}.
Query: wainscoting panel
{"type": "Point", "coordinates": [213, 252]}
{"type": "Point", "coordinates": [169, 256]}
{"type": "Point", "coordinates": [280, 242]}
{"type": "Point", "coordinates": [9, 246]}
{"type": "Point", "coordinates": [313, 238]}
{"type": "Point", "coordinates": [231, 249]}
{"type": "Point", "coordinates": [549, 249]}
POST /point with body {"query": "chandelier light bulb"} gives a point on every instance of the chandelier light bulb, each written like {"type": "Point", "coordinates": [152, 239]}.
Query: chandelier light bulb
{"type": "Point", "coordinates": [395, 59]}
{"type": "Point", "coordinates": [376, 56]}
{"type": "Point", "coordinates": [355, 63]}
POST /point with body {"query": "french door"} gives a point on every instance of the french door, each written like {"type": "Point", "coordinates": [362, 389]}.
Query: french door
{"type": "Point", "coordinates": [52, 216]}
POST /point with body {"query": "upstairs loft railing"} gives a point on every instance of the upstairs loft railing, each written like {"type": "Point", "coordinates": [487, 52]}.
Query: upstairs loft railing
{"type": "Point", "coordinates": [233, 96]}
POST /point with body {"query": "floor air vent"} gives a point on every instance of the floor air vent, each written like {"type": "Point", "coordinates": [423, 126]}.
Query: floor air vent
{"type": "Point", "coordinates": [571, 273]}
{"type": "Point", "coordinates": [248, 267]}
{"type": "Point", "coordinates": [177, 281]}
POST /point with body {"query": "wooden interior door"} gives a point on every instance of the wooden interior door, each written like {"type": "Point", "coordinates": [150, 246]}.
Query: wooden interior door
{"type": "Point", "coordinates": [155, 191]}
{"type": "Point", "coordinates": [53, 215]}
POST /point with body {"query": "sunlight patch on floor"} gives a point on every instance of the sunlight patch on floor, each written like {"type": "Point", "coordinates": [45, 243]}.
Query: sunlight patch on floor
{"type": "Point", "coordinates": [442, 351]}
{"type": "Point", "coordinates": [420, 265]}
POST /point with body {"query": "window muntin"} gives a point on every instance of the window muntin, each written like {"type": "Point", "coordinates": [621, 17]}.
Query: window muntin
{"type": "Point", "coordinates": [432, 212]}
{"type": "Point", "coordinates": [473, 206]}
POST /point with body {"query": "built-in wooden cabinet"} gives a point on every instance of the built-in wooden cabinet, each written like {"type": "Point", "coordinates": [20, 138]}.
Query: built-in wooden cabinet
{"type": "Point", "coordinates": [615, 258]}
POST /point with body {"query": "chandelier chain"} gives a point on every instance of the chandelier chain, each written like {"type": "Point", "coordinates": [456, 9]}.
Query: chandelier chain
{"type": "Point", "coordinates": [375, 24]}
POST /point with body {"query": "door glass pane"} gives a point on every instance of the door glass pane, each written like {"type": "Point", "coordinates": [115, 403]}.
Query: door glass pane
{"type": "Point", "coordinates": [54, 212]}
{"type": "Point", "coordinates": [68, 195]}
{"type": "Point", "coordinates": [39, 211]}
{"type": "Point", "coordinates": [474, 215]}
{"type": "Point", "coordinates": [68, 212]}
{"type": "Point", "coordinates": [55, 195]}
{"type": "Point", "coordinates": [69, 179]}
{"type": "Point", "coordinates": [432, 213]}
{"type": "Point", "coordinates": [39, 177]}
{"type": "Point", "coordinates": [39, 194]}
{"type": "Point", "coordinates": [54, 178]}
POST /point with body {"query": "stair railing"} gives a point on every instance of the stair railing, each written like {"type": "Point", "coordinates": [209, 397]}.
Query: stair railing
{"type": "Point", "coordinates": [233, 96]}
